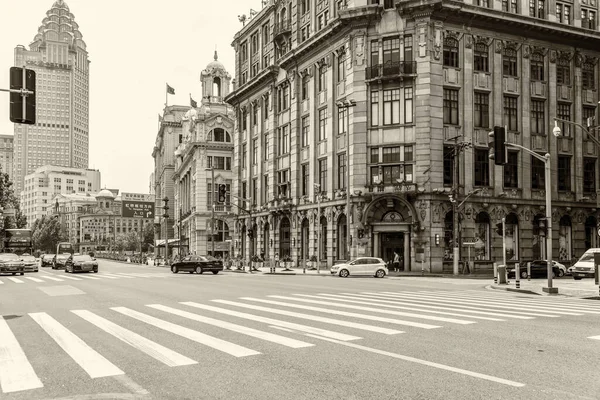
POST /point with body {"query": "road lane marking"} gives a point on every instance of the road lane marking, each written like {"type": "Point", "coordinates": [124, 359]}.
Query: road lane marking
{"type": "Point", "coordinates": [88, 359]}
{"type": "Point", "coordinates": [579, 305]}
{"type": "Point", "coordinates": [275, 322]}
{"type": "Point", "coordinates": [53, 278]}
{"type": "Point", "coordinates": [16, 373]}
{"type": "Point", "coordinates": [218, 344]}
{"type": "Point", "coordinates": [89, 277]}
{"type": "Point", "coordinates": [1, 282]}
{"type": "Point", "coordinates": [16, 280]}
{"type": "Point", "coordinates": [105, 276]}
{"type": "Point", "coordinates": [153, 349]}
{"type": "Point", "coordinates": [345, 313]}
{"type": "Point", "coordinates": [462, 304]}
{"type": "Point", "coordinates": [270, 337]}
{"type": "Point", "coordinates": [332, 321]}
{"type": "Point", "coordinates": [34, 279]}
{"type": "Point", "coordinates": [117, 276]}
{"type": "Point", "coordinates": [594, 337]}
{"type": "Point", "coordinates": [425, 362]}
{"type": "Point", "coordinates": [71, 278]}
{"type": "Point", "coordinates": [372, 302]}
{"type": "Point", "coordinates": [377, 310]}
{"type": "Point", "coordinates": [416, 302]}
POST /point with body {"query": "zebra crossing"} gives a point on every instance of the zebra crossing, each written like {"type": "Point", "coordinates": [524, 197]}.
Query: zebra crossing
{"type": "Point", "coordinates": [295, 321]}
{"type": "Point", "coordinates": [48, 277]}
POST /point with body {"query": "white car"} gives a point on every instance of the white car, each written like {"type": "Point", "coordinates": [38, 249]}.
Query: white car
{"type": "Point", "coordinates": [372, 266]}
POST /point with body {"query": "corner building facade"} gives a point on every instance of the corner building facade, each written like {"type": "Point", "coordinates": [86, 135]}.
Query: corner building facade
{"type": "Point", "coordinates": [430, 80]}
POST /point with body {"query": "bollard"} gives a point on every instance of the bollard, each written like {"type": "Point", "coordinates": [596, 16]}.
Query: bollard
{"type": "Point", "coordinates": [528, 271]}
{"type": "Point", "coordinates": [518, 276]}
{"type": "Point", "coordinates": [304, 266]}
{"type": "Point", "coordinates": [495, 273]}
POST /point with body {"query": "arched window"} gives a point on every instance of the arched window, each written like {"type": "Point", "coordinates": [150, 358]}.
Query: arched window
{"type": "Point", "coordinates": [564, 238]}
{"type": "Point", "coordinates": [342, 233]}
{"type": "Point", "coordinates": [219, 135]}
{"type": "Point", "coordinates": [450, 52]}
{"type": "Point", "coordinates": [591, 238]}
{"type": "Point", "coordinates": [448, 237]}
{"type": "Point", "coordinates": [512, 237]}
{"type": "Point", "coordinates": [482, 236]}
{"type": "Point", "coordinates": [216, 86]}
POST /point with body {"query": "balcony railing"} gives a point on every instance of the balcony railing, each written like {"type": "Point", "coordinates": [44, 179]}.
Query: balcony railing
{"type": "Point", "coordinates": [391, 69]}
{"type": "Point", "coordinates": [282, 27]}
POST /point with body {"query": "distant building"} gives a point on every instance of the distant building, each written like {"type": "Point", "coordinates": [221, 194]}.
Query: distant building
{"type": "Point", "coordinates": [151, 181]}
{"type": "Point", "coordinates": [50, 180]}
{"type": "Point", "coordinates": [60, 136]}
{"type": "Point", "coordinates": [6, 154]}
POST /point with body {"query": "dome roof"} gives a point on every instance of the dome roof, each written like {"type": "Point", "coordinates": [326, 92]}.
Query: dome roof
{"type": "Point", "coordinates": [105, 193]}
{"type": "Point", "coordinates": [215, 65]}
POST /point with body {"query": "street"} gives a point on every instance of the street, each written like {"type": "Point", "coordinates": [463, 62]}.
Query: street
{"type": "Point", "coordinates": [136, 331]}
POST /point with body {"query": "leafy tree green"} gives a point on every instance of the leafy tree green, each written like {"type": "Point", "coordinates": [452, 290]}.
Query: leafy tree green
{"type": "Point", "coordinates": [148, 243]}
{"type": "Point", "coordinates": [9, 200]}
{"type": "Point", "coordinates": [47, 233]}
{"type": "Point", "coordinates": [129, 241]}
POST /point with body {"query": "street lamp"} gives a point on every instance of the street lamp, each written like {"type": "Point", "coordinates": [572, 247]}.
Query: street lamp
{"type": "Point", "coordinates": [346, 104]}
{"type": "Point", "coordinates": [212, 218]}
{"type": "Point", "coordinates": [166, 216]}
{"type": "Point", "coordinates": [318, 224]}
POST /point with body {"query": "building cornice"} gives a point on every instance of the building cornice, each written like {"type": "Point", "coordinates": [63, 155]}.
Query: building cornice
{"type": "Point", "coordinates": [267, 74]}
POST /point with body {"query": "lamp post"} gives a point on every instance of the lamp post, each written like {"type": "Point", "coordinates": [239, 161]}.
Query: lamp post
{"type": "Point", "coordinates": [318, 225]}
{"type": "Point", "coordinates": [212, 207]}
{"type": "Point", "coordinates": [166, 216]}
{"type": "Point", "coordinates": [346, 104]}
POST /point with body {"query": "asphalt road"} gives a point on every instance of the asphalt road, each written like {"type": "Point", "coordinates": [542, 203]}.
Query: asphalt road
{"type": "Point", "coordinates": [142, 332]}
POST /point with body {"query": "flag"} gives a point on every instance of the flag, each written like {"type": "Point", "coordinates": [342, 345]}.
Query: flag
{"type": "Point", "coordinates": [159, 118]}
{"type": "Point", "coordinates": [170, 90]}
{"type": "Point", "coordinates": [193, 102]}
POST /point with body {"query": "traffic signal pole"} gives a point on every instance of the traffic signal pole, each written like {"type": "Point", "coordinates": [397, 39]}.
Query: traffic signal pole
{"type": "Point", "coordinates": [212, 217]}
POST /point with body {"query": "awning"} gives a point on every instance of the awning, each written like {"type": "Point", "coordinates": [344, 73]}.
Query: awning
{"type": "Point", "coordinates": [161, 242]}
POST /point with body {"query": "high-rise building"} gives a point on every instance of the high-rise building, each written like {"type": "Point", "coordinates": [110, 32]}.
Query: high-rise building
{"type": "Point", "coordinates": [60, 135]}
{"type": "Point", "coordinates": [6, 154]}
{"type": "Point", "coordinates": [47, 181]}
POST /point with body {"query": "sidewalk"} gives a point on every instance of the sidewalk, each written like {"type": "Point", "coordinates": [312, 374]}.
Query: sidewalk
{"type": "Point", "coordinates": [566, 286]}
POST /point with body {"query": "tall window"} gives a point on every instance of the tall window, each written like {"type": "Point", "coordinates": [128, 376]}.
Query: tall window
{"type": "Point", "coordinates": [448, 165]}
{"type": "Point", "coordinates": [342, 119]}
{"type": "Point", "coordinates": [563, 111]}
{"type": "Point", "coordinates": [481, 58]}
{"type": "Point", "coordinates": [391, 154]}
{"type": "Point", "coordinates": [305, 131]}
{"type": "Point", "coordinates": [538, 170]}
{"type": "Point", "coordinates": [510, 6]}
{"type": "Point", "coordinates": [305, 179]}
{"type": "Point", "coordinates": [588, 80]}
{"type": "Point", "coordinates": [374, 108]}
{"type": "Point", "coordinates": [588, 18]}
{"type": "Point", "coordinates": [266, 105]}
{"type": "Point", "coordinates": [254, 198]}
{"type": "Point", "coordinates": [305, 86]}
{"type": "Point", "coordinates": [341, 67]}
{"type": "Point", "coordinates": [589, 113]}
{"type": "Point", "coordinates": [537, 67]}
{"type": "Point", "coordinates": [451, 106]}
{"type": "Point", "coordinates": [482, 110]}
{"type": "Point", "coordinates": [266, 149]}
{"type": "Point", "coordinates": [450, 52]}
{"type": "Point", "coordinates": [563, 13]}
{"type": "Point", "coordinates": [511, 170]}
{"type": "Point", "coordinates": [408, 49]}
{"type": "Point", "coordinates": [265, 188]}
{"type": "Point", "coordinates": [391, 51]}
{"type": "Point", "coordinates": [482, 167]}
{"type": "Point", "coordinates": [391, 106]}
{"type": "Point", "coordinates": [563, 71]}
{"type": "Point", "coordinates": [589, 175]}
{"type": "Point", "coordinates": [322, 82]}
{"type": "Point", "coordinates": [341, 171]}
{"type": "Point", "coordinates": [323, 175]}
{"type": "Point", "coordinates": [482, 237]}
{"type": "Point", "coordinates": [510, 113]}
{"type": "Point", "coordinates": [408, 105]}
{"type": "Point", "coordinates": [374, 53]}
{"type": "Point", "coordinates": [509, 62]}
{"type": "Point", "coordinates": [255, 151]}
{"type": "Point", "coordinates": [284, 140]}
{"type": "Point", "coordinates": [244, 156]}
{"type": "Point", "coordinates": [322, 124]}
{"type": "Point", "coordinates": [564, 173]}
{"type": "Point", "coordinates": [537, 8]}
{"type": "Point", "coordinates": [538, 117]}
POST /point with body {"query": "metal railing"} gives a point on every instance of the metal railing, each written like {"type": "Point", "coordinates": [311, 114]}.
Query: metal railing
{"type": "Point", "coordinates": [392, 69]}
{"type": "Point", "coordinates": [282, 27]}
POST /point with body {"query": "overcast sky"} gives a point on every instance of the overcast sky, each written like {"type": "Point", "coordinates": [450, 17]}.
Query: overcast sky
{"type": "Point", "coordinates": [135, 47]}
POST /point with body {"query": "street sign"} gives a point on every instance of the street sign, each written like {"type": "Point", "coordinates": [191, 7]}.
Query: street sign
{"type": "Point", "coordinates": [137, 209]}
{"type": "Point", "coordinates": [137, 197]}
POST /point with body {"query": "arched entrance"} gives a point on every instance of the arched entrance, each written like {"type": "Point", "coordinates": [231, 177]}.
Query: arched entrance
{"type": "Point", "coordinates": [284, 238]}
{"type": "Point", "coordinates": [304, 243]}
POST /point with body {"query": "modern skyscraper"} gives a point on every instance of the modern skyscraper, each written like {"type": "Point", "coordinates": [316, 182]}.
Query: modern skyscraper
{"type": "Point", "coordinates": [60, 136]}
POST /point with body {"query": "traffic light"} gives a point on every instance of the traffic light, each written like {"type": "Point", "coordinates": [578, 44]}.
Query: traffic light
{"type": "Point", "coordinates": [16, 99]}
{"type": "Point", "coordinates": [497, 144]}
{"type": "Point", "coordinates": [222, 193]}
{"type": "Point", "coordinates": [499, 228]}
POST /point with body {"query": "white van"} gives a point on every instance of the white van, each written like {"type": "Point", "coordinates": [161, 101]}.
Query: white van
{"type": "Point", "coordinates": [584, 267]}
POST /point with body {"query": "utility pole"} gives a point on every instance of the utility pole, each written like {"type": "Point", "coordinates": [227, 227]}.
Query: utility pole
{"type": "Point", "coordinates": [212, 217]}
{"type": "Point", "coordinates": [456, 249]}
{"type": "Point", "coordinates": [318, 226]}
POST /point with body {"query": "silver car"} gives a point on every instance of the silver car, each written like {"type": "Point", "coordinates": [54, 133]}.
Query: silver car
{"type": "Point", "coordinates": [31, 264]}
{"type": "Point", "coordinates": [372, 266]}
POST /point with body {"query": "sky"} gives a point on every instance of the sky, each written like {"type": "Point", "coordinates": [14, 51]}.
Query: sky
{"type": "Point", "coordinates": [135, 48]}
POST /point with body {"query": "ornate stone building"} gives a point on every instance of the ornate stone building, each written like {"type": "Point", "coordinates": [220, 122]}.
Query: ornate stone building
{"type": "Point", "coordinates": [430, 79]}
{"type": "Point", "coordinates": [206, 148]}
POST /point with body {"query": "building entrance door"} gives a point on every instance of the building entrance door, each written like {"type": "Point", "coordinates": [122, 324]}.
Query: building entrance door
{"type": "Point", "coordinates": [392, 242]}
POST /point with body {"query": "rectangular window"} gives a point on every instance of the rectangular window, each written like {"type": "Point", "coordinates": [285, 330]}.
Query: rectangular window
{"type": "Point", "coordinates": [509, 62]}
{"type": "Point", "coordinates": [323, 175]}
{"type": "Point", "coordinates": [391, 154]}
{"type": "Point", "coordinates": [511, 170]}
{"type": "Point", "coordinates": [482, 167]}
{"type": "Point", "coordinates": [305, 179]}
{"type": "Point", "coordinates": [374, 53]}
{"type": "Point", "coordinates": [322, 124]}
{"type": "Point", "coordinates": [342, 119]}
{"type": "Point", "coordinates": [538, 117]}
{"type": "Point", "coordinates": [267, 150]}
{"type": "Point", "coordinates": [563, 111]}
{"type": "Point", "coordinates": [392, 174]}
{"type": "Point", "coordinates": [448, 165]}
{"type": "Point", "coordinates": [374, 108]}
{"type": "Point", "coordinates": [588, 18]}
{"type": "Point", "coordinates": [266, 106]}
{"type": "Point", "coordinates": [510, 6]}
{"type": "Point", "coordinates": [305, 86]}
{"type": "Point", "coordinates": [374, 155]}
{"type": "Point", "coordinates": [563, 73]}
{"type": "Point", "coordinates": [589, 175]}
{"type": "Point", "coordinates": [341, 67]}
{"type": "Point", "coordinates": [244, 151]}
{"type": "Point", "coordinates": [254, 191]}
{"type": "Point", "coordinates": [451, 52]}
{"type": "Point", "coordinates": [265, 188]}
{"type": "Point", "coordinates": [538, 177]}
{"type": "Point", "coordinates": [391, 106]}
{"type": "Point", "coordinates": [537, 8]}
{"type": "Point", "coordinates": [510, 113]}
{"type": "Point", "coordinates": [255, 151]}
{"type": "Point", "coordinates": [589, 118]}
{"type": "Point", "coordinates": [322, 82]}
{"type": "Point", "coordinates": [341, 171]}
{"type": "Point", "coordinates": [564, 173]}
{"type": "Point", "coordinates": [588, 80]}
{"type": "Point", "coordinates": [305, 131]}
{"type": "Point", "coordinates": [451, 106]}
{"type": "Point", "coordinates": [283, 140]}
{"type": "Point", "coordinates": [408, 105]}
{"type": "Point", "coordinates": [482, 110]}
{"type": "Point", "coordinates": [481, 58]}
{"type": "Point", "coordinates": [391, 51]}
{"type": "Point", "coordinates": [408, 153]}
{"type": "Point", "coordinates": [563, 13]}
{"type": "Point", "coordinates": [408, 49]}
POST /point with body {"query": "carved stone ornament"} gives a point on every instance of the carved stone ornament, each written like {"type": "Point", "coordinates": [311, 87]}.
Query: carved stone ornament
{"type": "Point", "coordinates": [552, 56]}
{"type": "Point", "coordinates": [539, 49]}
{"type": "Point", "coordinates": [359, 50]}
{"type": "Point", "coordinates": [578, 59]}
{"type": "Point", "coordinates": [437, 43]}
{"type": "Point", "coordinates": [526, 51]}
{"type": "Point", "coordinates": [590, 60]}
{"type": "Point", "coordinates": [468, 41]}
{"type": "Point", "coordinates": [499, 45]}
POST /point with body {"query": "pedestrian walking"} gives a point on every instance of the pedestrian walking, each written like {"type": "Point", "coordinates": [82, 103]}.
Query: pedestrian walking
{"type": "Point", "coordinates": [396, 262]}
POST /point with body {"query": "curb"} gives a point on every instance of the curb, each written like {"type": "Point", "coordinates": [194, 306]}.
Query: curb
{"type": "Point", "coordinates": [509, 289]}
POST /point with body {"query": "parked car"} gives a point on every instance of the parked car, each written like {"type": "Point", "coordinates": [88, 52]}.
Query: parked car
{"type": "Point", "coordinates": [539, 269]}
{"type": "Point", "coordinates": [47, 260]}
{"type": "Point", "coordinates": [60, 261]}
{"type": "Point", "coordinates": [361, 266]}
{"type": "Point", "coordinates": [562, 269]}
{"type": "Point", "coordinates": [81, 263]}
{"type": "Point", "coordinates": [11, 263]}
{"type": "Point", "coordinates": [584, 268]}
{"type": "Point", "coordinates": [197, 264]}
{"type": "Point", "coordinates": [31, 264]}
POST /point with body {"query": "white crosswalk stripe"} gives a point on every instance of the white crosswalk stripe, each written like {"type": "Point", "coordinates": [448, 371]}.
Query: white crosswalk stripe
{"type": "Point", "coordinates": [594, 337]}
{"type": "Point", "coordinates": [71, 278]}
{"type": "Point", "coordinates": [16, 280]}
{"type": "Point", "coordinates": [52, 278]}
{"type": "Point", "coordinates": [34, 279]}
{"type": "Point", "coordinates": [46, 277]}
{"type": "Point", "coordinates": [16, 373]}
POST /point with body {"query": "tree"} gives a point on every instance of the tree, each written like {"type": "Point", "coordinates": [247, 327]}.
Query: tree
{"type": "Point", "coordinates": [148, 242]}
{"type": "Point", "coordinates": [9, 200]}
{"type": "Point", "coordinates": [129, 241]}
{"type": "Point", "coordinates": [47, 233]}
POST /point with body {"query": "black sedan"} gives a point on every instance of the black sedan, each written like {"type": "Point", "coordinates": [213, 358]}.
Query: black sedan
{"type": "Point", "coordinates": [197, 264]}
{"type": "Point", "coordinates": [539, 269]}
{"type": "Point", "coordinates": [82, 263]}
{"type": "Point", "coordinates": [47, 260]}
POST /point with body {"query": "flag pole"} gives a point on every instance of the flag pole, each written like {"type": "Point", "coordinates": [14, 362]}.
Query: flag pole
{"type": "Point", "coordinates": [166, 95]}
